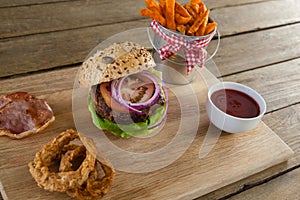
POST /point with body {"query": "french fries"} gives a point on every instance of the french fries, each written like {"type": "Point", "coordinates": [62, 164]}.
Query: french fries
{"type": "Point", "coordinates": [202, 27]}
{"type": "Point", "coordinates": [190, 19]}
{"type": "Point", "coordinates": [210, 27]}
{"type": "Point", "coordinates": [182, 16]}
{"type": "Point", "coordinates": [170, 14]}
{"type": "Point", "coordinates": [152, 5]}
{"type": "Point", "coordinates": [154, 15]}
{"type": "Point", "coordinates": [181, 29]}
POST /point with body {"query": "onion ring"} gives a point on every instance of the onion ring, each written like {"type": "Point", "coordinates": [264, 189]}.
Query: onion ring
{"type": "Point", "coordinates": [59, 181]}
{"type": "Point", "coordinates": [77, 173]}
{"type": "Point", "coordinates": [154, 97]}
{"type": "Point", "coordinates": [70, 155]}
{"type": "Point", "coordinates": [95, 186]}
{"type": "Point", "coordinates": [118, 97]}
{"type": "Point", "coordinates": [134, 107]}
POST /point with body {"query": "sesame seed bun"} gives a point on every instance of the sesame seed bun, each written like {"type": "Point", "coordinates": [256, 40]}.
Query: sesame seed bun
{"type": "Point", "coordinates": [124, 59]}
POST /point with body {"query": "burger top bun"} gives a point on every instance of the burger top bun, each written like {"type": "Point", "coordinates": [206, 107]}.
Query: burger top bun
{"type": "Point", "coordinates": [115, 61]}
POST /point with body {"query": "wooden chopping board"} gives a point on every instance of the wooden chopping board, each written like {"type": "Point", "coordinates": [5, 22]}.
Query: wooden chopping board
{"type": "Point", "coordinates": [232, 158]}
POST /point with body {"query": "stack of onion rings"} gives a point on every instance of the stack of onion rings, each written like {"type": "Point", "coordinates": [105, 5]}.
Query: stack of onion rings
{"type": "Point", "coordinates": [65, 167]}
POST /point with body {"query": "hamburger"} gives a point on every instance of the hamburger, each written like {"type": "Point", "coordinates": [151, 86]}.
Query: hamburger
{"type": "Point", "coordinates": [127, 96]}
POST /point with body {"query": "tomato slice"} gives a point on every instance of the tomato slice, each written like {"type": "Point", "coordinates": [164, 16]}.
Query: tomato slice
{"type": "Point", "coordinates": [137, 89]}
{"type": "Point", "coordinates": [113, 104]}
{"type": "Point", "coordinates": [134, 89]}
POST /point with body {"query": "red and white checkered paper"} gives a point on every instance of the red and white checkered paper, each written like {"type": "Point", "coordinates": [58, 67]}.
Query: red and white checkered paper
{"type": "Point", "coordinates": [194, 51]}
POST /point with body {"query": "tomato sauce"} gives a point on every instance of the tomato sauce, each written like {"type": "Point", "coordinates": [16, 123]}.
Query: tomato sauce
{"type": "Point", "coordinates": [235, 103]}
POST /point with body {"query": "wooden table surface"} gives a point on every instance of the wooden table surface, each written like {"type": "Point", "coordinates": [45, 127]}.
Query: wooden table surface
{"type": "Point", "coordinates": [43, 42]}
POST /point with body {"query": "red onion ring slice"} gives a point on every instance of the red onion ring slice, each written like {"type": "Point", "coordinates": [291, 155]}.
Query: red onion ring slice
{"type": "Point", "coordinates": [115, 93]}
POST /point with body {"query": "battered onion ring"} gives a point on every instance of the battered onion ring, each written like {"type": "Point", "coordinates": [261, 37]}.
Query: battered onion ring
{"type": "Point", "coordinates": [76, 174]}
{"type": "Point", "coordinates": [72, 153]}
{"type": "Point", "coordinates": [95, 186]}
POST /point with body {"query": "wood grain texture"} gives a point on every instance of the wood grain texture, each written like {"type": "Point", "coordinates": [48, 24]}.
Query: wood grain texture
{"type": "Point", "coordinates": [249, 48]}
{"type": "Point", "coordinates": [45, 51]}
{"type": "Point", "coordinates": [18, 21]}
{"type": "Point", "coordinates": [213, 4]}
{"type": "Point", "coordinates": [63, 48]}
{"type": "Point", "coordinates": [287, 184]}
{"type": "Point", "coordinates": [199, 176]}
{"type": "Point", "coordinates": [63, 80]}
{"type": "Point", "coordinates": [242, 185]}
{"type": "Point", "coordinates": [279, 83]}
{"type": "Point", "coordinates": [287, 117]}
{"type": "Point", "coordinates": [49, 50]}
{"type": "Point", "coordinates": [41, 83]}
{"type": "Point", "coordinates": [66, 82]}
{"type": "Point", "coordinates": [257, 49]}
{"type": "Point", "coordinates": [277, 121]}
{"type": "Point", "coordinates": [256, 16]}
{"type": "Point", "coordinates": [15, 3]}
{"type": "Point", "coordinates": [210, 3]}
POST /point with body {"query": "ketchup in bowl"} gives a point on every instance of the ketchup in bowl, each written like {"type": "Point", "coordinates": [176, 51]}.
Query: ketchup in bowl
{"type": "Point", "coordinates": [233, 107]}
{"type": "Point", "coordinates": [235, 103]}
